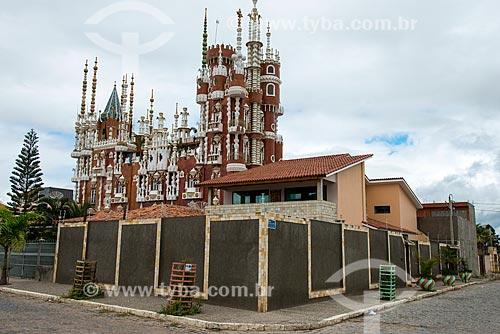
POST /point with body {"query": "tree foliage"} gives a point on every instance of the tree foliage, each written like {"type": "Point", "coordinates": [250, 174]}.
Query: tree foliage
{"type": "Point", "coordinates": [26, 180]}
{"type": "Point", "coordinates": [13, 235]}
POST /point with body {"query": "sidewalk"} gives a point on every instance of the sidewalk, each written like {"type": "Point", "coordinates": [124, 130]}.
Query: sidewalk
{"type": "Point", "coordinates": [317, 314]}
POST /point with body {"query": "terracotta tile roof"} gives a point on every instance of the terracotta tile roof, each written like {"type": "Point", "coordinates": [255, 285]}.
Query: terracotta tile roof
{"type": "Point", "coordinates": [388, 179]}
{"type": "Point", "coordinates": [155, 211]}
{"type": "Point", "coordinates": [404, 185]}
{"type": "Point", "coordinates": [315, 167]}
{"type": "Point", "coordinates": [384, 226]}
{"type": "Point", "coordinates": [444, 205]}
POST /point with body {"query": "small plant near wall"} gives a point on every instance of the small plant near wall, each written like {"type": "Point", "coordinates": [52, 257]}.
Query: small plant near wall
{"type": "Point", "coordinates": [450, 266]}
{"type": "Point", "coordinates": [465, 272]}
{"type": "Point", "coordinates": [81, 295]}
{"type": "Point", "coordinates": [426, 281]}
{"type": "Point", "coordinates": [176, 309]}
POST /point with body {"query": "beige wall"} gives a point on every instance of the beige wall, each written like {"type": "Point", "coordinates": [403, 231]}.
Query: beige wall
{"type": "Point", "coordinates": [408, 212]}
{"type": "Point", "coordinates": [403, 211]}
{"type": "Point", "coordinates": [351, 195]}
{"type": "Point", "coordinates": [382, 195]}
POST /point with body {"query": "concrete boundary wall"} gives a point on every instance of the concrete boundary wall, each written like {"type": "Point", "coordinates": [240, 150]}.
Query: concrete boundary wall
{"type": "Point", "coordinates": [322, 255]}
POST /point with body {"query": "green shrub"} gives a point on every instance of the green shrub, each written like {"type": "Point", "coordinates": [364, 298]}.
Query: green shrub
{"type": "Point", "coordinates": [426, 267]}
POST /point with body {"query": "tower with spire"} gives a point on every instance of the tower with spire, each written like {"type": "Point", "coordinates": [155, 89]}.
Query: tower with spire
{"type": "Point", "coordinates": [239, 100]}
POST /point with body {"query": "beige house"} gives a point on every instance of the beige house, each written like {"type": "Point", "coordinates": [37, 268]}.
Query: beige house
{"type": "Point", "coordinates": [331, 188]}
{"type": "Point", "coordinates": [392, 202]}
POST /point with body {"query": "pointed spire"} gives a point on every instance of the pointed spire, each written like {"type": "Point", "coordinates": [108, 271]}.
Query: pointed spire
{"type": "Point", "coordinates": [268, 49]}
{"type": "Point", "coordinates": [239, 38]}
{"type": "Point", "coordinates": [94, 88]}
{"type": "Point", "coordinates": [151, 112]}
{"type": "Point", "coordinates": [131, 113]}
{"type": "Point", "coordinates": [255, 20]}
{"type": "Point", "coordinates": [239, 58]}
{"type": "Point", "coordinates": [205, 40]}
{"type": "Point", "coordinates": [124, 94]}
{"type": "Point", "coordinates": [176, 116]}
{"type": "Point", "coordinates": [84, 88]}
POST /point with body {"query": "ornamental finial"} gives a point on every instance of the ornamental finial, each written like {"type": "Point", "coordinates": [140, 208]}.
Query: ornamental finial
{"type": "Point", "coordinates": [205, 40]}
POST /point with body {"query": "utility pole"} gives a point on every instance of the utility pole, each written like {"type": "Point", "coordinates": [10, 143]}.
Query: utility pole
{"type": "Point", "coordinates": [452, 234]}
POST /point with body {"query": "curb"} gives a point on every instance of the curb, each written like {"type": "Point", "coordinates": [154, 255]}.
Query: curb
{"type": "Point", "coordinates": [202, 324]}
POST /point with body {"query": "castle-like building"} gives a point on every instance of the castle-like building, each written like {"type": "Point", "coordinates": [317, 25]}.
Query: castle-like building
{"type": "Point", "coordinates": [239, 99]}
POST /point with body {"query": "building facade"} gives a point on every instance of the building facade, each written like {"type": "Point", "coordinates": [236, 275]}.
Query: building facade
{"type": "Point", "coordinates": [239, 100]}
{"type": "Point", "coordinates": [434, 221]}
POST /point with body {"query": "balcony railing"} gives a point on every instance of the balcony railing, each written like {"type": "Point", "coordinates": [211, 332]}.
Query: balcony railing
{"type": "Point", "coordinates": [318, 210]}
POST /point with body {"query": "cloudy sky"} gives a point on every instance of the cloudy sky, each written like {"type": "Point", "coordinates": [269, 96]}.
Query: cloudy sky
{"type": "Point", "coordinates": [412, 82]}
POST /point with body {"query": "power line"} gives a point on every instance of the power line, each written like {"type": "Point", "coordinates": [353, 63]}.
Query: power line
{"type": "Point", "coordinates": [488, 210]}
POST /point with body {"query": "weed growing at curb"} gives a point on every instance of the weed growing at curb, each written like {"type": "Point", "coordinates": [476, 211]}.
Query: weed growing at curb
{"type": "Point", "coordinates": [177, 310]}
{"type": "Point", "coordinates": [80, 295]}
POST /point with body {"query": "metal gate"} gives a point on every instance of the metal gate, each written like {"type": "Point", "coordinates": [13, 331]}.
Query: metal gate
{"type": "Point", "coordinates": [34, 256]}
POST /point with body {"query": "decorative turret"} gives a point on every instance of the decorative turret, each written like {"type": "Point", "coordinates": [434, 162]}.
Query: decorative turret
{"type": "Point", "coordinates": [239, 99]}
{"type": "Point", "coordinates": [113, 109]}
{"type": "Point", "coordinates": [84, 89]}
{"type": "Point", "coordinates": [151, 113]}
{"type": "Point", "coordinates": [124, 96]}
{"type": "Point", "coordinates": [94, 89]}
{"type": "Point", "coordinates": [131, 110]}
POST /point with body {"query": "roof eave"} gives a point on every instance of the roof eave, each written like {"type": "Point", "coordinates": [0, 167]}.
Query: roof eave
{"type": "Point", "coordinates": [251, 183]}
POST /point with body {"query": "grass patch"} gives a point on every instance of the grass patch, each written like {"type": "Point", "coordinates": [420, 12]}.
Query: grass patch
{"type": "Point", "coordinates": [80, 295]}
{"type": "Point", "coordinates": [177, 310]}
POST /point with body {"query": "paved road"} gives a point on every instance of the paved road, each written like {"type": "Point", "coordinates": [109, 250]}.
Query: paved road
{"type": "Point", "coordinates": [471, 310]}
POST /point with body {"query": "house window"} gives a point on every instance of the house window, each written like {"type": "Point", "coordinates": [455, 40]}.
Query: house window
{"type": "Point", "coordinates": [271, 90]}
{"type": "Point", "coordinates": [92, 196]}
{"type": "Point", "coordinates": [156, 185]}
{"type": "Point", "coordinates": [271, 70]}
{"type": "Point", "coordinates": [384, 209]}
{"type": "Point", "coordinates": [301, 194]}
{"type": "Point", "coordinates": [249, 197]}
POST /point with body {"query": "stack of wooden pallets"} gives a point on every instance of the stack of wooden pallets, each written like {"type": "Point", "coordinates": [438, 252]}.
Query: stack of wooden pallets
{"type": "Point", "coordinates": [387, 282]}
{"type": "Point", "coordinates": [182, 284]}
{"type": "Point", "coordinates": [84, 274]}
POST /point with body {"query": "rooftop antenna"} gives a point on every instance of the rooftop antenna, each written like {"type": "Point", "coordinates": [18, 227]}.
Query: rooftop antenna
{"type": "Point", "coordinates": [217, 22]}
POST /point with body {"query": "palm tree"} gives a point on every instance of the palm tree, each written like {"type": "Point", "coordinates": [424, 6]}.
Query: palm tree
{"type": "Point", "coordinates": [53, 208]}
{"type": "Point", "coordinates": [483, 236]}
{"type": "Point", "coordinates": [75, 210]}
{"type": "Point", "coordinates": [12, 236]}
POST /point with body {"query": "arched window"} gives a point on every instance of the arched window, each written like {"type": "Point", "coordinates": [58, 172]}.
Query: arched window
{"type": "Point", "coordinates": [271, 70]}
{"type": "Point", "coordinates": [271, 89]}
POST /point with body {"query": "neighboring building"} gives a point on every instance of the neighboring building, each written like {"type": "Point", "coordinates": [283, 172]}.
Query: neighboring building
{"type": "Point", "coordinates": [57, 193]}
{"type": "Point", "coordinates": [391, 201]}
{"type": "Point", "coordinates": [239, 99]}
{"type": "Point", "coordinates": [434, 221]}
{"type": "Point", "coordinates": [330, 188]}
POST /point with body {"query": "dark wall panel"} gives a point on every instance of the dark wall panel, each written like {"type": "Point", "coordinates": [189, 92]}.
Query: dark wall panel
{"type": "Point", "coordinates": [137, 256]}
{"type": "Point", "coordinates": [425, 252]}
{"type": "Point", "coordinates": [182, 239]}
{"type": "Point", "coordinates": [435, 254]}
{"type": "Point", "coordinates": [288, 265]}
{"type": "Point", "coordinates": [102, 241]}
{"type": "Point", "coordinates": [414, 260]}
{"type": "Point", "coordinates": [234, 260]}
{"type": "Point", "coordinates": [356, 249]}
{"type": "Point", "coordinates": [378, 252]}
{"type": "Point", "coordinates": [398, 258]}
{"type": "Point", "coordinates": [326, 254]}
{"type": "Point", "coordinates": [70, 251]}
